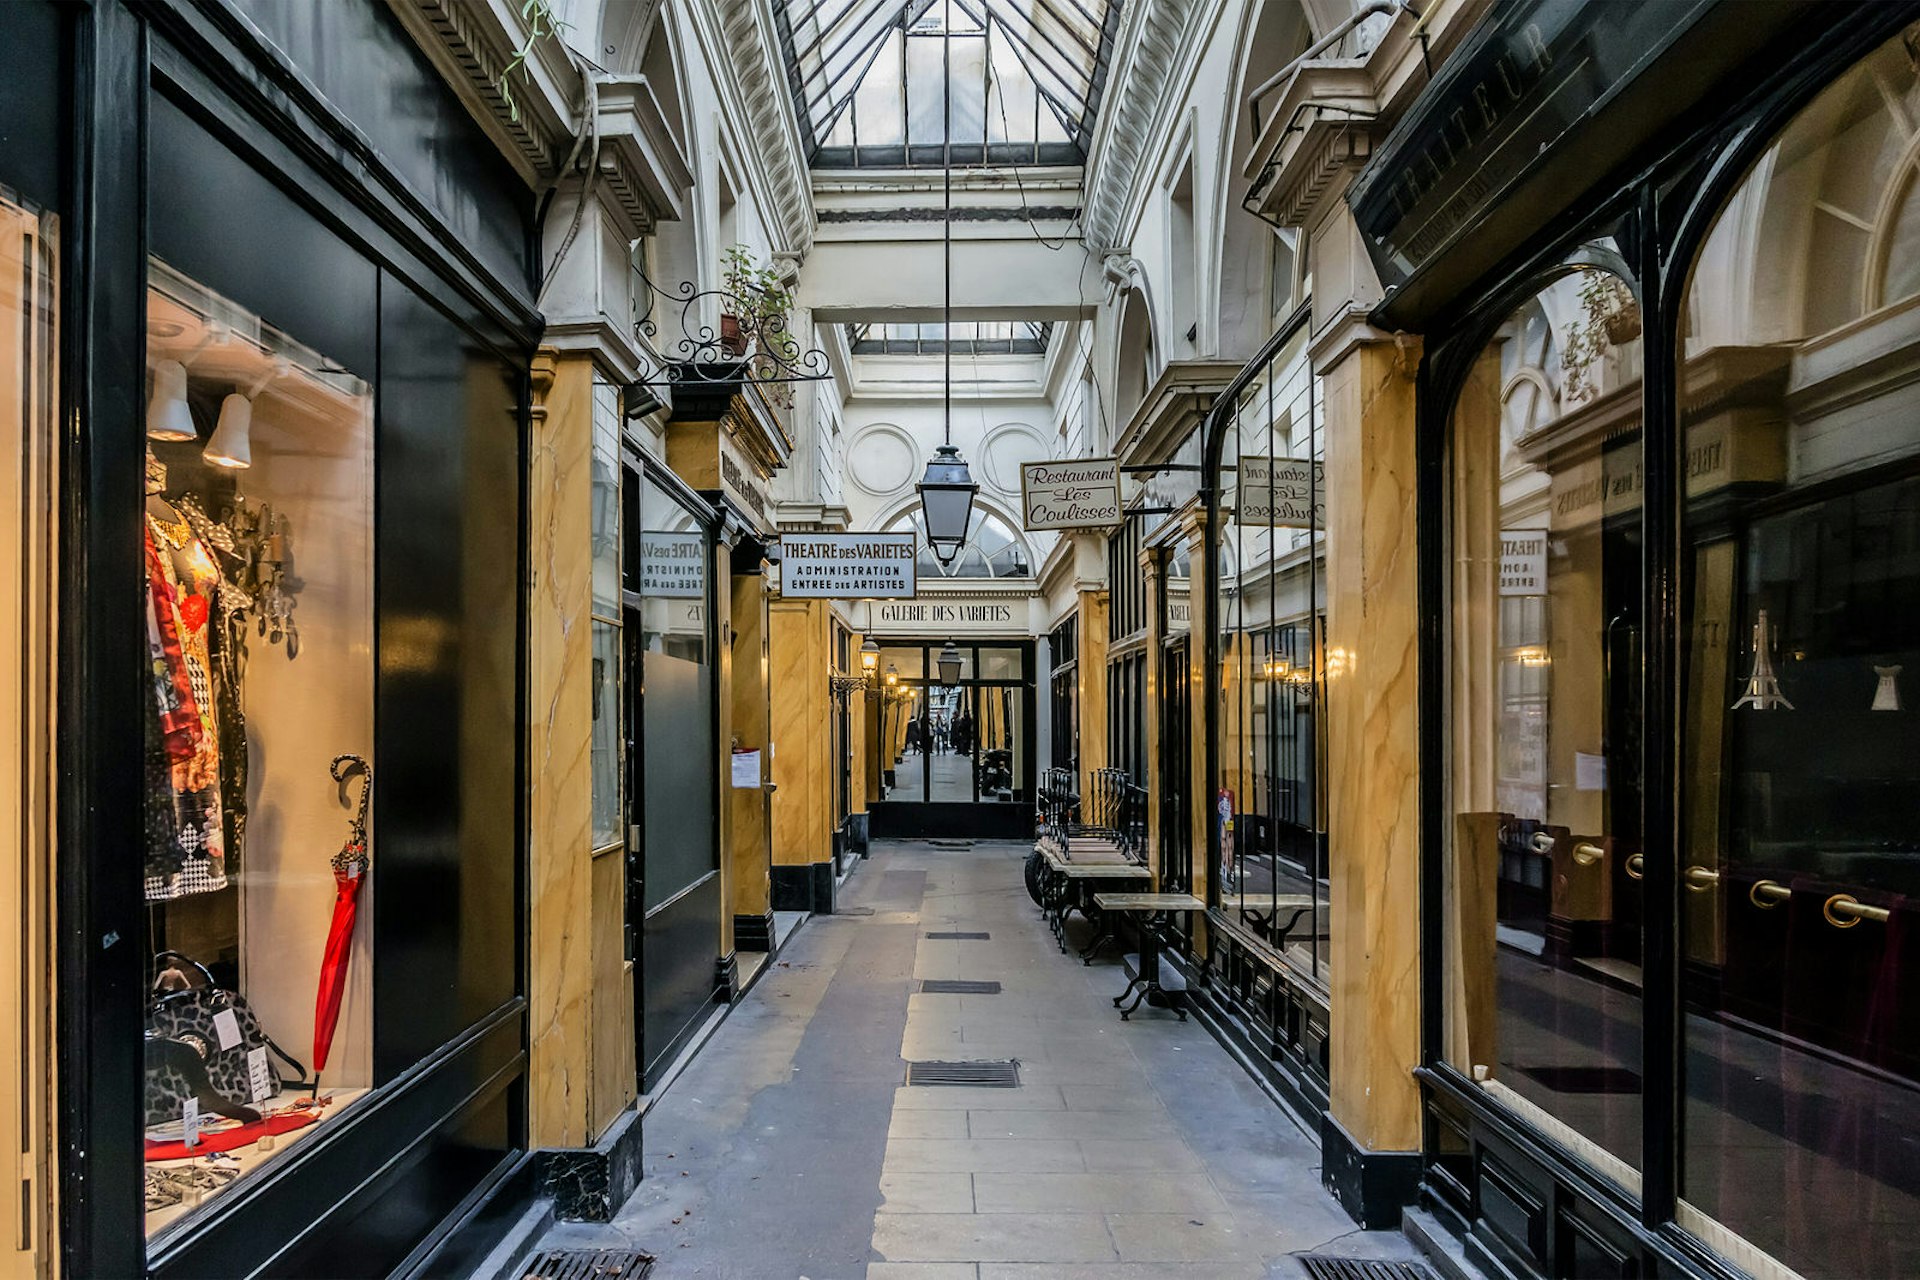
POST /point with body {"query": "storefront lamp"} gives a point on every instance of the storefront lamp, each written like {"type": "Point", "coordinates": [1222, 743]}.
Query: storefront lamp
{"type": "Point", "coordinates": [893, 675]}
{"type": "Point", "coordinates": [946, 501]}
{"type": "Point", "coordinates": [168, 417]}
{"type": "Point", "coordinates": [949, 665]}
{"type": "Point", "coordinates": [870, 656]}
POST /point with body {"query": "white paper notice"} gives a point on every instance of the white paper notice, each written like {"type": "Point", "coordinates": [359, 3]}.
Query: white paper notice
{"type": "Point", "coordinates": [746, 769]}
{"type": "Point", "coordinates": [227, 1027]}
{"type": "Point", "coordinates": [190, 1122]}
{"type": "Point", "coordinates": [259, 1075]}
{"type": "Point", "coordinates": [1589, 771]}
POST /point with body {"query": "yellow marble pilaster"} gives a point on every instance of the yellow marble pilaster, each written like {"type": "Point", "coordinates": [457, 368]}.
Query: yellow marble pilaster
{"type": "Point", "coordinates": [1091, 676]}
{"type": "Point", "coordinates": [1193, 530]}
{"type": "Point", "coordinates": [752, 839]}
{"type": "Point", "coordinates": [1373, 744]}
{"type": "Point", "coordinates": [1153, 562]}
{"type": "Point", "coordinates": [860, 709]}
{"type": "Point", "coordinates": [559, 737]}
{"type": "Point", "coordinates": [798, 663]}
{"type": "Point", "coordinates": [724, 737]}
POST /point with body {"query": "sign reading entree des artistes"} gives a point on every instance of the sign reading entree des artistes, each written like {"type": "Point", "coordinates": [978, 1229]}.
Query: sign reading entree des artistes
{"type": "Point", "coordinates": [847, 566]}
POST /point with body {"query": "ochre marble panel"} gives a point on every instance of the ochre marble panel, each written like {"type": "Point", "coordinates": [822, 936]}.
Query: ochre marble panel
{"type": "Point", "coordinates": [559, 781]}
{"type": "Point", "coordinates": [1373, 744]}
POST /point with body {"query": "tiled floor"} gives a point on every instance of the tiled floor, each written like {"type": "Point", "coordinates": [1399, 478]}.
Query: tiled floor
{"type": "Point", "coordinates": [790, 1148]}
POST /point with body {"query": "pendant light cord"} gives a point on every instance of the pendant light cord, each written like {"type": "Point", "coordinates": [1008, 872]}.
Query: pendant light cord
{"type": "Point", "coordinates": [946, 222]}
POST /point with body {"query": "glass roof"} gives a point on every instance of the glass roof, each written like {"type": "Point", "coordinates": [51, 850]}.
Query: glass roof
{"type": "Point", "coordinates": [980, 338]}
{"type": "Point", "coordinates": [867, 78]}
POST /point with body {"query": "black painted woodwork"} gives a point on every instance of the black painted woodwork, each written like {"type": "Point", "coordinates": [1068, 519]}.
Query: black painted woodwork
{"type": "Point", "coordinates": [264, 190]}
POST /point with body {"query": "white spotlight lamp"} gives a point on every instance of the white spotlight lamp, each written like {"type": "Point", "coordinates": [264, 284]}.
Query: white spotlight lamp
{"type": "Point", "coordinates": [168, 417]}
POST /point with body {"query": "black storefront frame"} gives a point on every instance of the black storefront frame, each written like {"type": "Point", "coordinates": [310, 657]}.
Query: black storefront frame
{"type": "Point", "coordinates": [982, 819]}
{"type": "Point", "coordinates": [1661, 210]}
{"type": "Point", "coordinates": [115, 54]}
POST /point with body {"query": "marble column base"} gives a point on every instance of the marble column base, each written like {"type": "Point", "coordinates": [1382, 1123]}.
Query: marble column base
{"type": "Point", "coordinates": [589, 1184]}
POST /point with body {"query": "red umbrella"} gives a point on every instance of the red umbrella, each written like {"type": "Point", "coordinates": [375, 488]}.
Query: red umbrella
{"type": "Point", "coordinates": [349, 869]}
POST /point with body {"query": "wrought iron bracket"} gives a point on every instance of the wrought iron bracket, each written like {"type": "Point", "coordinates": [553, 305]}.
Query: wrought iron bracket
{"type": "Point", "coordinates": [754, 349]}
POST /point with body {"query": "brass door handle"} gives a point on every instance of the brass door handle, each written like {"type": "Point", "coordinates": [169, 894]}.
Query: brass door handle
{"type": "Point", "coordinates": [1768, 894]}
{"type": "Point", "coordinates": [1542, 842]}
{"type": "Point", "coordinates": [1843, 911]}
{"type": "Point", "coordinates": [1637, 866]}
{"type": "Point", "coordinates": [1587, 855]}
{"type": "Point", "coordinates": [1700, 879]}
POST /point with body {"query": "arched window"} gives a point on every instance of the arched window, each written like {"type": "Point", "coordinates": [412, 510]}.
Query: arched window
{"type": "Point", "coordinates": [993, 548]}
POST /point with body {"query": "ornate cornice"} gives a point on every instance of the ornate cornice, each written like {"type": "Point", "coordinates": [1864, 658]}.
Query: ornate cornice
{"type": "Point", "coordinates": [753, 49]}
{"type": "Point", "coordinates": [471, 42]}
{"type": "Point", "coordinates": [1149, 48]}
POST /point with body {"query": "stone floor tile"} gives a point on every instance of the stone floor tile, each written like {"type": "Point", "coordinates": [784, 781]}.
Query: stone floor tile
{"type": "Point", "coordinates": [1119, 1155]}
{"type": "Point", "coordinates": [993, 1237]}
{"type": "Point", "coordinates": [1043, 1097]}
{"type": "Point", "coordinates": [1181, 1237]}
{"type": "Point", "coordinates": [1123, 1271]}
{"type": "Point", "coordinates": [914, 1155]}
{"type": "Point", "coordinates": [1115, 1126]}
{"type": "Point", "coordinates": [921, 1271]}
{"type": "Point", "coordinates": [1096, 1193]}
{"type": "Point", "coordinates": [934, 1124]}
{"type": "Point", "coordinates": [927, 1193]}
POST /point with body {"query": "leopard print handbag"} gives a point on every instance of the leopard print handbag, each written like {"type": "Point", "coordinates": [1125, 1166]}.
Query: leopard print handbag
{"type": "Point", "coordinates": [194, 1015]}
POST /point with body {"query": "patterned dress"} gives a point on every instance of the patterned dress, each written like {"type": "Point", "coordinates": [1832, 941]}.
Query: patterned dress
{"type": "Point", "coordinates": [186, 838]}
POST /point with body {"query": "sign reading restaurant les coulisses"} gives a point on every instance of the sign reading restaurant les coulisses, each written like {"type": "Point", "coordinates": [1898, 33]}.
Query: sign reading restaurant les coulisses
{"type": "Point", "coordinates": [1083, 493]}
{"type": "Point", "coordinates": [1286, 493]}
{"type": "Point", "coordinates": [847, 566]}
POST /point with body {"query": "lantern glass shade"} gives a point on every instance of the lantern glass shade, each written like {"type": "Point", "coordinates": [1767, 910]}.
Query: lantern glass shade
{"type": "Point", "coordinates": [949, 664]}
{"type": "Point", "coordinates": [870, 657]}
{"type": "Point", "coordinates": [232, 442]}
{"type": "Point", "coordinates": [893, 675]}
{"type": "Point", "coordinates": [946, 502]}
{"type": "Point", "coordinates": [168, 417]}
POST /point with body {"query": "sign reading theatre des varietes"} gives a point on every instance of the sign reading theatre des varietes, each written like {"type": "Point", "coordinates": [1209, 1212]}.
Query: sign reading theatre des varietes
{"type": "Point", "coordinates": [847, 566]}
{"type": "Point", "coordinates": [1083, 493]}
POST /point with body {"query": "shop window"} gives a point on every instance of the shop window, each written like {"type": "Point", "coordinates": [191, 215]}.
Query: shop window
{"type": "Point", "coordinates": [1800, 742]}
{"type": "Point", "coordinates": [608, 763]}
{"type": "Point", "coordinates": [1270, 812]}
{"type": "Point", "coordinates": [1543, 881]}
{"type": "Point", "coordinates": [1064, 701]}
{"type": "Point", "coordinates": [257, 588]}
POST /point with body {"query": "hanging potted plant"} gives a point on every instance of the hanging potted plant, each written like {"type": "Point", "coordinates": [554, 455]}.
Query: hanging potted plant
{"type": "Point", "coordinates": [1610, 317]}
{"type": "Point", "coordinates": [756, 301]}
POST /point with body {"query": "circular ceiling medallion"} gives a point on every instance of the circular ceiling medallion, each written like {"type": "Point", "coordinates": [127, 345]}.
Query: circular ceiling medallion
{"type": "Point", "coordinates": [1004, 449]}
{"type": "Point", "coordinates": [880, 459]}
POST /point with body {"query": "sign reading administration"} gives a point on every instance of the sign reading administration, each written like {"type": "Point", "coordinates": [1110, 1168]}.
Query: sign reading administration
{"type": "Point", "coordinates": [1083, 493]}
{"type": "Point", "coordinates": [847, 566]}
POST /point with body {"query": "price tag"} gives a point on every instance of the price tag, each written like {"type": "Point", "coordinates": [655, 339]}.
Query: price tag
{"type": "Point", "coordinates": [259, 1075]}
{"type": "Point", "coordinates": [190, 1122]}
{"type": "Point", "coordinates": [227, 1027]}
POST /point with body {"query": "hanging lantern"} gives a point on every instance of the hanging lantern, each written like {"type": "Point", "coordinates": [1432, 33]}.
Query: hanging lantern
{"type": "Point", "coordinates": [946, 501]}
{"type": "Point", "coordinates": [870, 656]}
{"type": "Point", "coordinates": [949, 665]}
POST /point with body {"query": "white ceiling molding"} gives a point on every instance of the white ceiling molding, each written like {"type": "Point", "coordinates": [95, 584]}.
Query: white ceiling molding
{"type": "Point", "coordinates": [471, 43]}
{"type": "Point", "coordinates": [769, 127]}
{"type": "Point", "coordinates": [1150, 46]}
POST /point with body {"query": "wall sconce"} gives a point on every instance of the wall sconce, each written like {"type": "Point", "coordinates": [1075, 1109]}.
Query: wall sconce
{"type": "Point", "coordinates": [870, 656]}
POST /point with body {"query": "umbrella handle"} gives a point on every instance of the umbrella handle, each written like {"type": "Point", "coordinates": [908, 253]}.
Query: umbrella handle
{"type": "Point", "coordinates": [341, 768]}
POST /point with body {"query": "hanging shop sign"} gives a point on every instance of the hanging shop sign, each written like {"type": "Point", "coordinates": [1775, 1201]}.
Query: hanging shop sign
{"type": "Point", "coordinates": [1523, 562]}
{"type": "Point", "coordinates": [673, 565]}
{"type": "Point", "coordinates": [1083, 493]}
{"type": "Point", "coordinates": [847, 566]}
{"type": "Point", "coordinates": [957, 615]}
{"type": "Point", "coordinates": [1284, 493]}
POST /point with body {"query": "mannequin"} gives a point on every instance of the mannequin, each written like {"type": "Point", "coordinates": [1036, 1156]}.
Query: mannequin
{"type": "Point", "coordinates": [186, 835]}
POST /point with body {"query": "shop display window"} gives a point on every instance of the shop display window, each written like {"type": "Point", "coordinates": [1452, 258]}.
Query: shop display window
{"type": "Point", "coordinates": [1800, 732]}
{"type": "Point", "coordinates": [257, 586]}
{"type": "Point", "coordinates": [1270, 810]}
{"type": "Point", "coordinates": [1545, 864]}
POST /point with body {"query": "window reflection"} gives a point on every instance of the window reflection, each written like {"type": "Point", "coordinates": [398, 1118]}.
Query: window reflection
{"type": "Point", "coordinates": [1801, 750]}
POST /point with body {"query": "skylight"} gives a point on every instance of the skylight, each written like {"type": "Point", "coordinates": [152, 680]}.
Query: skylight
{"type": "Point", "coordinates": [867, 78]}
{"type": "Point", "coordinates": [979, 338]}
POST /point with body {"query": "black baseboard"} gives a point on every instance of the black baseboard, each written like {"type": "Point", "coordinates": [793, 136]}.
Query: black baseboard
{"type": "Point", "coordinates": [859, 838]}
{"type": "Point", "coordinates": [753, 933]}
{"type": "Point", "coordinates": [726, 978]}
{"type": "Point", "coordinates": [1372, 1186]}
{"type": "Point", "coordinates": [588, 1184]}
{"type": "Point", "coordinates": [807, 886]}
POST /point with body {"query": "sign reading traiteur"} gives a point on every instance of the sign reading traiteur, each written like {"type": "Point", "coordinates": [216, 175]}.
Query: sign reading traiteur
{"type": "Point", "coordinates": [1082, 493]}
{"type": "Point", "coordinates": [847, 566]}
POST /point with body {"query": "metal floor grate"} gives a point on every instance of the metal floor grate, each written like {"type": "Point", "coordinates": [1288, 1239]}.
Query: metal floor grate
{"type": "Point", "coordinates": [959, 937]}
{"type": "Point", "coordinates": [979, 1075]}
{"type": "Point", "coordinates": [958, 987]}
{"type": "Point", "coordinates": [588, 1264]}
{"type": "Point", "coordinates": [1321, 1266]}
